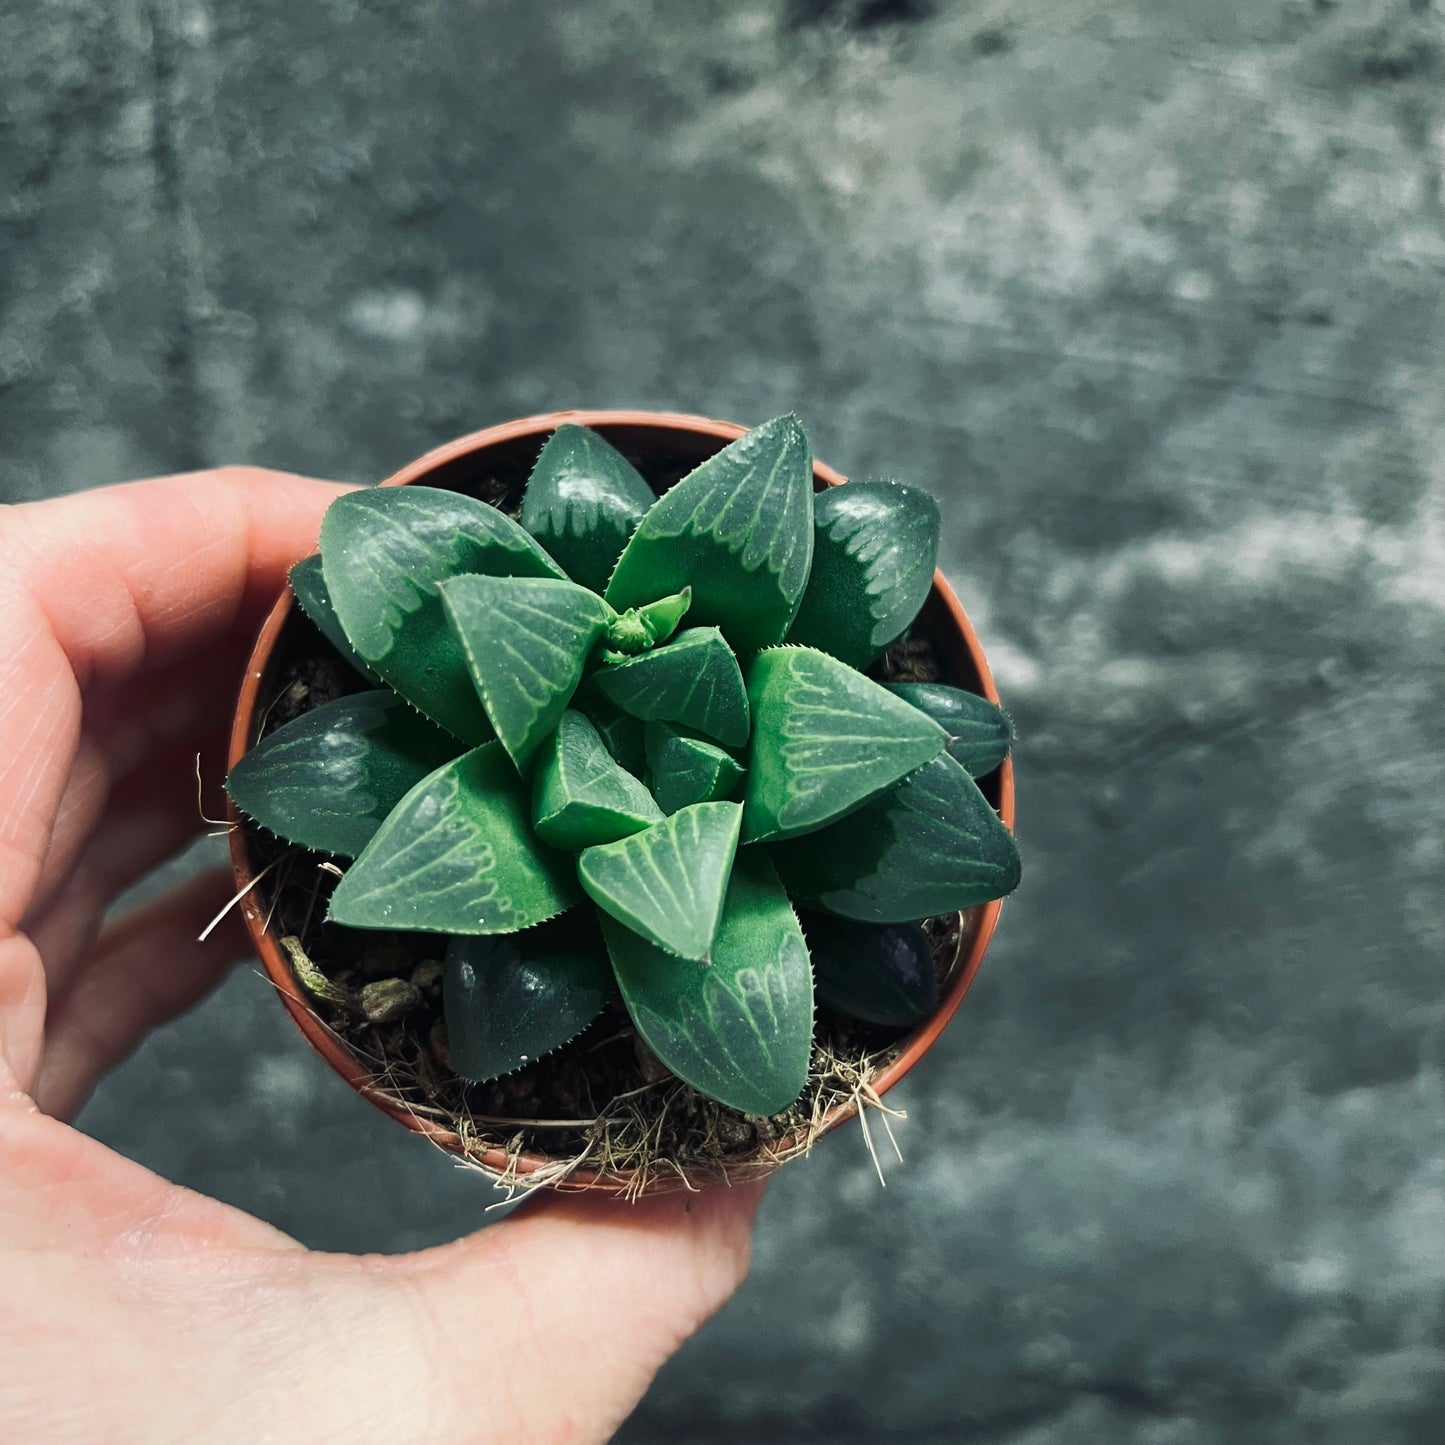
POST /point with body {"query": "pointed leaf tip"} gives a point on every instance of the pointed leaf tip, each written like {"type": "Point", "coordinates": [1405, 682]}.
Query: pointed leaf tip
{"type": "Point", "coordinates": [930, 844]}
{"type": "Point", "coordinates": [739, 529]}
{"type": "Point", "coordinates": [875, 549]}
{"type": "Point", "coordinates": [739, 1030]}
{"type": "Point", "coordinates": [328, 779]}
{"type": "Point", "coordinates": [694, 680]}
{"type": "Point", "coordinates": [979, 732]}
{"type": "Point", "coordinates": [308, 586]}
{"type": "Point", "coordinates": [384, 553]}
{"type": "Point", "coordinates": [526, 642]}
{"type": "Point", "coordinates": [581, 796]}
{"type": "Point", "coordinates": [512, 1000]}
{"type": "Point", "coordinates": [825, 739]}
{"type": "Point", "coordinates": [583, 501]}
{"type": "Point", "coordinates": [684, 770]}
{"type": "Point", "coordinates": [667, 882]}
{"type": "Point", "coordinates": [457, 855]}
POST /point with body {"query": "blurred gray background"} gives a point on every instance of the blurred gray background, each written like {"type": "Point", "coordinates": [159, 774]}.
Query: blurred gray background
{"type": "Point", "coordinates": [1149, 295]}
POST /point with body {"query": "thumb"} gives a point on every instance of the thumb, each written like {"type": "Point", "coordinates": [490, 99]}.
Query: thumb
{"type": "Point", "coordinates": [555, 1322]}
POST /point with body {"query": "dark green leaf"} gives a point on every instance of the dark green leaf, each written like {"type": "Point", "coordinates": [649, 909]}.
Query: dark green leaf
{"type": "Point", "coordinates": [874, 552]}
{"type": "Point", "coordinates": [739, 530]}
{"type": "Point", "coordinates": [328, 779]}
{"type": "Point", "coordinates": [685, 770]}
{"type": "Point", "coordinates": [667, 882]}
{"type": "Point", "coordinates": [308, 586]}
{"type": "Point", "coordinates": [457, 855]}
{"type": "Point", "coordinates": [581, 796]}
{"type": "Point", "coordinates": [932, 844]}
{"type": "Point", "coordinates": [385, 553]}
{"type": "Point", "coordinates": [526, 641]}
{"type": "Point", "coordinates": [512, 1000]}
{"type": "Point", "coordinates": [825, 739]}
{"type": "Point", "coordinates": [582, 503]}
{"type": "Point", "coordinates": [693, 680]}
{"type": "Point", "coordinates": [880, 973]}
{"type": "Point", "coordinates": [740, 1028]}
{"type": "Point", "coordinates": [979, 734]}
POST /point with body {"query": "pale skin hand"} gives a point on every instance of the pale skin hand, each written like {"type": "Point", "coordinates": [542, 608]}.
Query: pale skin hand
{"type": "Point", "coordinates": [134, 1310]}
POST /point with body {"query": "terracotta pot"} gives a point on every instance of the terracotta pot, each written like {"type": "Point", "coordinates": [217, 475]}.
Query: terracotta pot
{"type": "Point", "coordinates": [668, 439]}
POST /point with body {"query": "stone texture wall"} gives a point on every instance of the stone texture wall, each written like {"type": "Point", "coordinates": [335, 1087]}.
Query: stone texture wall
{"type": "Point", "coordinates": [1148, 292]}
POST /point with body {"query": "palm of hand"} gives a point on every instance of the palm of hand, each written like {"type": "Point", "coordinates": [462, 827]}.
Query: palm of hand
{"type": "Point", "coordinates": [137, 1310]}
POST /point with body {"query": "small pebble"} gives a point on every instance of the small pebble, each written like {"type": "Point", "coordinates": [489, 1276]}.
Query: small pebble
{"type": "Point", "coordinates": [388, 999]}
{"type": "Point", "coordinates": [427, 975]}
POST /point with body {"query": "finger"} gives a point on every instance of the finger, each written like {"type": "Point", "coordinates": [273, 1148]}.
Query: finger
{"type": "Point", "coordinates": [101, 586]}
{"type": "Point", "coordinates": [567, 1311]}
{"type": "Point", "coordinates": [137, 575]}
{"type": "Point", "coordinates": [149, 818]}
{"type": "Point", "coordinates": [146, 968]}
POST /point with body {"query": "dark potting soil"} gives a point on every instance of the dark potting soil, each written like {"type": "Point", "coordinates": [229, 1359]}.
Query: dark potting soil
{"type": "Point", "coordinates": [604, 1096]}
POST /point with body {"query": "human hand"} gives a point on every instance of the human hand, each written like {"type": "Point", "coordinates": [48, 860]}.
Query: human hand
{"type": "Point", "coordinates": [134, 1310]}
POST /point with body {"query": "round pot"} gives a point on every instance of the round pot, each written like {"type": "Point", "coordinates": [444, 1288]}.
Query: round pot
{"type": "Point", "coordinates": [676, 443]}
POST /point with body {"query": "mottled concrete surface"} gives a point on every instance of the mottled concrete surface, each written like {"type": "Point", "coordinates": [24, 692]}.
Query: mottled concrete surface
{"type": "Point", "coordinates": [1150, 295]}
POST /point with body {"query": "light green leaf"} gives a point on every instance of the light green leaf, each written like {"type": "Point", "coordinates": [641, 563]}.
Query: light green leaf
{"type": "Point", "coordinates": [581, 796]}
{"type": "Point", "coordinates": [979, 733]}
{"type": "Point", "coordinates": [526, 640]}
{"type": "Point", "coordinates": [583, 501]}
{"type": "Point", "coordinates": [384, 554]}
{"type": "Point", "coordinates": [880, 973]}
{"type": "Point", "coordinates": [740, 1028]}
{"type": "Point", "coordinates": [641, 628]}
{"type": "Point", "coordinates": [667, 882]}
{"type": "Point", "coordinates": [684, 770]}
{"type": "Point", "coordinates": [932, 844]}
{"type": "Point", "coordinates": [512, 1000]}
{"type": "Point", "coordinates": [308, 586]}
{"type": "Point", "coordinates": [457, 855]}
{"type": "Point", "coordinates": [825, 739]}
{"type": "Point", "coordinates": [739, 530]}
{"type": "Point", "coordinates": [328, 779]}
{"type": "Point", "coordinates": [693, 680]}
{"type": "Point", "coordinates": [874, 552]}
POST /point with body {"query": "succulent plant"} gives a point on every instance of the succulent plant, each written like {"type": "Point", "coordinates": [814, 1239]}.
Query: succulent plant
{"type": "Point", "coordinates": [611, 747]}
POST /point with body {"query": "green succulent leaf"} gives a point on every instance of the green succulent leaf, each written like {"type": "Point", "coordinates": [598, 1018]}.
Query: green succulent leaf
{"type": "Point", "coordinates": [979, 733]}
{"type": "Point", "coordinates": [328, 779]}
{"type": "Point", "coordinates": [583, 501]}
{"type": "Point", "coordinates": [880, 973]}
{"type": "Point", "coordinates": [931, 844]}
{"type": "Point", "coordinates": [621, 733]}
{"type": "Point", "coordinates": [457, 855]}
{"type": "Point", "coordinates": [825, 739]}
{"type": "Point", "coordinates": [694, 680]}
{"type": "Point", "coordinates": [874, 552]}
{"type": "Point", "coordinates": [308, 586]}
{"type": "Point", "coordinates": [739, 530]}
{"type": "Point", "coordinates": [667, 882]}
{"type": "Point", "coordinates": [510, 1001]}
{"type": "Point", "coordinates": [740, 1028]}
{"type": "Point", "coordinates": [526, 640]}
{"type": "Point", "coordinates": [684, 770]}
{"type": "Point", "coordinates": [641, 628]}
{"type": "Point", "coordinates": [385, 553]}
{"type": "Point", "coordinates": [581, 796]}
